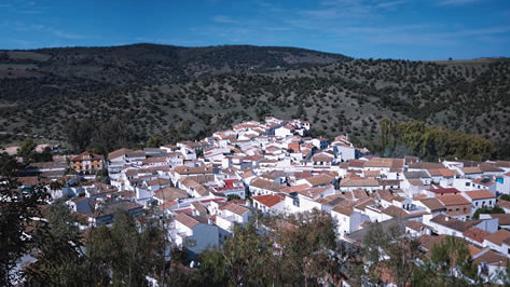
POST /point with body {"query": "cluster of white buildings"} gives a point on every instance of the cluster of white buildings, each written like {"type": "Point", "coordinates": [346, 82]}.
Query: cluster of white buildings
{"type": "Point", "coordinates": [275, 167]}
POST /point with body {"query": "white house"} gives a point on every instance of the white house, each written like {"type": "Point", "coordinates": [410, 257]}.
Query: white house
{"type": "Point", "coordinates": [282, 132]}
{"type": "Point", "coordinates": [269, 203]}
{"type": "Point", "coordinates": [347, 220]}
{"type": "Point", "coordinates": [194, 233]}
{"type": "Point", "coordinates": [480, 199]}
{"type": "Point", "coordinates": [503, 183]}
{"type": "Point", "coordinates": [231, 214]}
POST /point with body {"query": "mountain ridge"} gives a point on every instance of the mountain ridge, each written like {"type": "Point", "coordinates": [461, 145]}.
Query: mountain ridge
{"type": "Point", "coordinates": [159, 89]}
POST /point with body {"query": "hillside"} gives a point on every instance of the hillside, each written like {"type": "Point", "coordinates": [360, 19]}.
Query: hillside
{"type": "Point", "coordinates": [181, 92]}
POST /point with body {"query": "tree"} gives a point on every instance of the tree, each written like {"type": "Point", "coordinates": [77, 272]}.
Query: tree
{"type": "Point", "coordinates": [9, 166]}
{"type": "Point", "coordinates": [60, 260]}
{"type": "Point", "coordinates": [391, 249]}
{"type": "Point", "coordinates": [386, 129]}
{"type": "Point", "coordinates": [303, 249]}
{"type": "Point", "coordinates": [154, 141]}
{"type": "Point", "coordinates": [43, 156]}
{"type": "Point", "coordinates": [26, 150]}
{"type": "Point", "coordinates": [248, 257]}
{"type": "Point", "coordinates": [78, 134]}
{"type": "Point", "coordinates": [450, 264]}
{"type": "Point", "coordinates": [110, 135]}
{"type": "Point", "coordinates": [18, 208]}
{"type": "Point", "coordinates": [212, 271]}
{"type": "Point", "coordinates": [451, 255]}
{"type": "Point", "coordinates": [128, 253]}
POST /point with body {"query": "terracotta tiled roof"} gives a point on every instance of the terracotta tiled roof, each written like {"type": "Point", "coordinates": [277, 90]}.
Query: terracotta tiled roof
{"type": "Point", "coordinates": [498, 237]}
{"type": "Point", "coordinates": [323, 156]}
{"type": "Point", "coordinates": [265, 184]}
{"type": "Point", "coordinates": [268, 200]}
{"type": "Point", "coordinates": [476, 234]}
{"type": "Point", "coordinates": [313, 192]}
{"type": "Point", "coordinates": [433, 204]}
{"type": "Point", "coordinates": [235, 208]}
{"type": "Point", "coordinates": [472, 170]}
{"type": "Point", "coordinates": [170, 193]}
{"type": "Point", "coordinates": [425, 165]}
{"type": "Point", "coordinates": [381, 162]}
{"type": "Point", "coordinates": [385, 195]}
{"type": "Point", "coordinates": [194, 185]}
{"type": "Point", "coordinates": [158, 181]}
{"type": "Point", "coordinates": [362, 204]}
{"type": "Point", "coordinates": [188, 170]}
{"type": "Point", "coordinates": [357, 163]}
{"type": "Point", "coordinates": [444, 172]}
{"type": "Point", "coordinates": [453, 199]}
{"type": "Point", "coordinates": [359, 182]}
{"type": "Point", "coordinates": [372, 173]}
{"type": "Point", "coordinates": [489, 167]}
{"type": "Point", "coordinates": [394, 211]}
{"type": "Point", "coordinates": [186, 220]}
{"type": "Point", "coordinates": [444, 190]}
{"type": "Point", "coordinates": [454, 223]}
{"type": "Point", "coordinates": [480, 194]}
{"type": "Point", "coordinates": [493, 258]}
{"type": "Point", "coordinates": [416, 182]}
{"type": "Point", "coordinates": [87, 156]}
{"type": "Point", "coordinates": [345, 210]}
{"type": "Point", "coordinates": [118, 153]}
{"type": "Point", "coordinates": [295, 188]}
{"type": "Point", "coordinates": [501, 163]}
{"type": "Point", "coordinates": [321, 179]}
{"type": "Point", "coordinates": [415, 225]}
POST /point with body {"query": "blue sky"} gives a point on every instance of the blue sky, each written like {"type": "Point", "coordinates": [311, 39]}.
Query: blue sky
{"type": "Point", "coordinates": [406, 29]}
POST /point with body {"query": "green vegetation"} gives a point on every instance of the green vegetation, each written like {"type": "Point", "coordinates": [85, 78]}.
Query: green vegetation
{"type": "Point", "coordinates": [448, 255]}
{"type": "Point", "coordinates": [186, 93]}
{"type": "Point", "coordinates": [28, 153]}
{"type": "Point", "coordinates": [303, 256]}
{"type": "Point", "coordinates": [102, 137]}
{"type": "Point", "coordinates": [18, 210]}
{"type": "Point", "coordinates": [489, 210]}
{"type": "Point", "coordinates": [432, 143]}
{"type": "Point", "coordinates": [448, 263]}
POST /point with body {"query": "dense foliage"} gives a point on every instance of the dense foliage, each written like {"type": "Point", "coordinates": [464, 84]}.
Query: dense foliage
{"type": "Point", "coordinates": [432, 143]}
{"type": "Point", "coordinates": [180, 93]}
{"type": "Point", "coordinates": [19, 210]}
{"type": "Point", "coordinates": [295, 252]}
